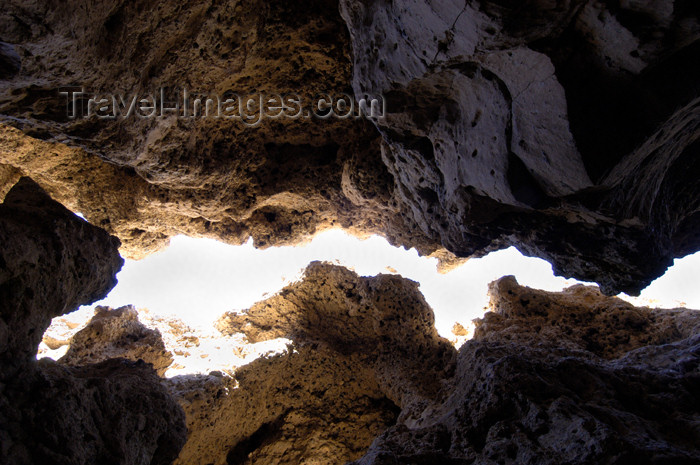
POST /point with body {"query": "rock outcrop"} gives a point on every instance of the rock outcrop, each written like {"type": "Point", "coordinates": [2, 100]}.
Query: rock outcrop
{"type": "Point", "coordinates": [115, 412]}
{"type": "Point", "coordinates": [569, 129]}
{"type": "Point", "coordinates": [572, 377]}
{"type": "Point", "coordinates": [384, 318]}
{"type": "Point", "coordinates": [118, 333]}
{"type": "Point", "coordinates": [310, 405]}
{"type": "Point", "coordinates": [363, 349]}
{"type": "Point", "coordinates": [51, 262]}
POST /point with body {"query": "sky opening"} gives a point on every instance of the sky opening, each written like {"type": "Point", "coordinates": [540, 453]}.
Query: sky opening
{"type": "Point", "coordinates": [197, 280]}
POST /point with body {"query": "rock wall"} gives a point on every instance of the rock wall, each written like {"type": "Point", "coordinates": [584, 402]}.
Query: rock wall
{"type": "Point", "coordinates": [565, 128]}
{"type": "Point", "coordinates": [571, 377]}
{"type": "Point", "coordinates": [568, 129]}
{"type": "Point", "coordinates": [115, 412]}
{"type": "Point", "coordinates": [549, 377]}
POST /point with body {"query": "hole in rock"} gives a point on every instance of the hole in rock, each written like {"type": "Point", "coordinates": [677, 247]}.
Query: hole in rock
{"type": "Point", "coordinates": [185, 288]}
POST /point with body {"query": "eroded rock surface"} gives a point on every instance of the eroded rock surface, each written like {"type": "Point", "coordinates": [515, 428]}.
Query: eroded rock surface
{"type": "Point", "coordinates": [311, 405]}
{"type": "Point", "coordinates": [570, 377]}
{"type": "Point", "coordinates": [42, 241]}
{"type": "Point", "coordinates": [363, 349]}
{"type": "Point", "coordinates": [118, 333]}
{"type": "Point", "coordinates": [145, 180]}
{"type": "Point", "coordinates": [384, 318]}
{"type": "Point", "coordinates": [115, 412]}
{"type": "Point", "coordinates": [568, 129]}
{"type": "Point", "coordinates": [565, 128]}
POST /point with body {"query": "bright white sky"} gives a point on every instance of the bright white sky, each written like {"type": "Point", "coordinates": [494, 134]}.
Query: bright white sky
{"type": "Point", "coordinates": [197, 280]}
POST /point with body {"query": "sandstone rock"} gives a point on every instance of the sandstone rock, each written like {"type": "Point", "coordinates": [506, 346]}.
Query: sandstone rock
{"type": "Point", "coordinates": [311, 405]}
{"type": "Point", "coordinates": [569, 377]}
{"type": "Point", "coordinates": [117, 333]}
{"type": "Point", "coordinates": [581, 319]}
{"type": "Point", "coordinates": [279, 182]}
{"type": "Point", "coordinates": [384, 318]}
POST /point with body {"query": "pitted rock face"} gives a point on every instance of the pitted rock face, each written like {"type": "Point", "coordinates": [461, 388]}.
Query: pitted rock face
{"type": "Point", "coordinates": [310, 405]}
{"type": "Point", "coordinates": [579, 318]}
{"type": "Point", "coordinates": [383, 319]}
{"type": "Point", "coordinates": [550, 377]}
{"type": "Point", "coordinates": [568, 129]}
{"type": "Point", "coordinates": [51, 262]}
{"type": "Point", "coordinates": [117, 333]}
{"type": "Point", "coordinates": [572, 377]}
{"type": "Point", "coordinates": [533, 124]}
{"type": "Point", "coordinates": [145, 180]}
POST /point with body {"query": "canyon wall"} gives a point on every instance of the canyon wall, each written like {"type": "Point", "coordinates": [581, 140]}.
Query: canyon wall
{"type": "Point", "coordinates": [549, 377]}
{"type": "Point", "coordinates": [568, 129]}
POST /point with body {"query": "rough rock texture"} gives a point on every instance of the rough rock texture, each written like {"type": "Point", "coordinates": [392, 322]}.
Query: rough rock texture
{"type": "Point", "coordinates": [385, 318]}
{"type": "Point", "coordinates": [579, 318]}
{"type": "Point", "coordinates": [541, 385]}
{"type": "Point", "coordinates": [279, 182]}
{"type": "Point", "coordinates": [363, 348]}
{"type": "Point", "coordinates": [550, 377]}
{"type": "Point", "coordinates": [569, 129]}
{"type": "Point", "coordinates": [42, 241]}
{"type": "Point", "coordinates": [572, 377]}
{"type": "Point", "coordinates": [118, 333]}
{"type": "Point", "coordinates": [311, 405]}
{"type": "Point", "coordinates": [116, 412]}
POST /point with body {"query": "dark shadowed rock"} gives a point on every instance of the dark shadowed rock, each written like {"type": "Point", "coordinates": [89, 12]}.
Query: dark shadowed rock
{"type": "Point", "coordinates": [10, 62]}
{"type": "Point", "coordinates": [51, 262]}
{"type": "Point", "coordinates": [572, 377]}
{"type": "Point", "coordinates": [309, 405]}
{"type": "Point", "coordinates": [116, 412]}
{"type": "Point", "coordinates": [568, 129]}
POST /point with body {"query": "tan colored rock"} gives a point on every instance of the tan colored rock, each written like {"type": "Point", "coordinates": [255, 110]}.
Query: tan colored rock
{"type": "Point", "coordinates": [117, 333]}
{"type": "Point", "coordinates": [311, 405]}
{"type": "Point", "coordinates": [384, 318]}
{"type": "Point", "coordinates": [535, 127]}
{"type": "Point", "coordinates": [579, 318]}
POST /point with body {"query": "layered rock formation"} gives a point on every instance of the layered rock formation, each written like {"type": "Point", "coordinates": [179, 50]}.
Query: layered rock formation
{"type": "Point", "coordinates": [113, 412]}
{"type": "Point", "coordinates": [568, 129]}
